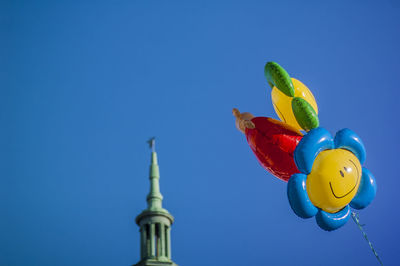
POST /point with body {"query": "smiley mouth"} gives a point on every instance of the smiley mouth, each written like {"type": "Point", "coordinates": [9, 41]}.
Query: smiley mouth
{"type": "Point", "coordinates": [358, 177]}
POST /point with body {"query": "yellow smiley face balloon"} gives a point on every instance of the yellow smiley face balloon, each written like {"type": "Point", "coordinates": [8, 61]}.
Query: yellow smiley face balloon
{"type": "Point", "coordinates": [283, 103]}
{"type": "Point", "coordinates": [334, 179]}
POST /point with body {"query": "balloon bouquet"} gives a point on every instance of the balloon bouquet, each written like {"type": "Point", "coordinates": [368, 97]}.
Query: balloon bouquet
{"type": "Point", "coordinates": [324, 173]}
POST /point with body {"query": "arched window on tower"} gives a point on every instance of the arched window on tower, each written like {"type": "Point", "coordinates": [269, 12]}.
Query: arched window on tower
{"type": "Point", "coordinates": [166, 242]}
{"type": "Point", "coordinates": [148, 246]}
{"type": "Point", "coordinates": [157, 240]}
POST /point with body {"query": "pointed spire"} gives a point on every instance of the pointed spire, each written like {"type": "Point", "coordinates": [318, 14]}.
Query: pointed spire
{"type": "Point", "coordinates": [154, 198]}
{"type": "Point", "coordinates": [155, 222]}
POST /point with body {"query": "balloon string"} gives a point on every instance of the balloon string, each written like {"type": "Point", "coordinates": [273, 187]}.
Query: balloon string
{"type": "Point", "coordinates": [360, 226]}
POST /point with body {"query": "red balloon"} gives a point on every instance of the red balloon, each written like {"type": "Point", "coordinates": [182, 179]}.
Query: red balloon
{"type": "Point", "coordinates": [273, 142]}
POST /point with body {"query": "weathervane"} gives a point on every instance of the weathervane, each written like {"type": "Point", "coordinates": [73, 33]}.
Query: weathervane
{"type": "Point", "coordinates": [152, 143]}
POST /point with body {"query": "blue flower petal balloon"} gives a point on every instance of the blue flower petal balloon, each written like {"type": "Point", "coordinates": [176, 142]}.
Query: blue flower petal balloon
{"type": "Point", "coordinates": [331, 178]}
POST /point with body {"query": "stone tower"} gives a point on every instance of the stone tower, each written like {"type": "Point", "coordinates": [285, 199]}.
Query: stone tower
{"type": "Point", "coordinates": [155, 222]}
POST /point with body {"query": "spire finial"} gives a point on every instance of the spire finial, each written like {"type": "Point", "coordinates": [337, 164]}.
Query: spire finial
{"type": "Point", "coordinates": [152, 143]}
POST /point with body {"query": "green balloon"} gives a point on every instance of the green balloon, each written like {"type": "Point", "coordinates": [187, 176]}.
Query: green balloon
{"type": "Point", "coordinates": [278, 77]}
{"type": "Point", "coordinates": [304, 114]}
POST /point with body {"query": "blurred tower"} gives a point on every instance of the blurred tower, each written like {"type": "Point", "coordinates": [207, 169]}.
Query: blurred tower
{"type": "Point", "coordinates": [155, 222]}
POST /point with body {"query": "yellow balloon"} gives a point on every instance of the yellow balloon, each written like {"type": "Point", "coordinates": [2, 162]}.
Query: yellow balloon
{"type": "Point", "coordinates": [334, 179]}
{"type": "Point", "coordinates": [283, 103]}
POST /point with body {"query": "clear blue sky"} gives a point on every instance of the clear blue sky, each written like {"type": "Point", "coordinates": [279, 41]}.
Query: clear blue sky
{"type": "Point", "coordinates": [84, 85]}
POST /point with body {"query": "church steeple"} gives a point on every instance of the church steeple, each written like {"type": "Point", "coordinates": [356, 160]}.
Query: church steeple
{"type": "Point", "coordinates": [155, 222]}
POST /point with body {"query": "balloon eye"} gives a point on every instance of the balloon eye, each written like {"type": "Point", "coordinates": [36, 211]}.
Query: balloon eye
{"type": "Point", "coordinates": [348, 170]}
{"type": "Point", "coordinates": [341, 173]}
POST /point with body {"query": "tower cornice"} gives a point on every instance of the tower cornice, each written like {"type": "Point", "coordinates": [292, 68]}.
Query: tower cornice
{"type": "Point", "coordinates": [149, 213]}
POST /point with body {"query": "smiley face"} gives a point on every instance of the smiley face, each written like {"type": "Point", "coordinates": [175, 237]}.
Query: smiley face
{"type": "Point", "coordinates": [334, 179]}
